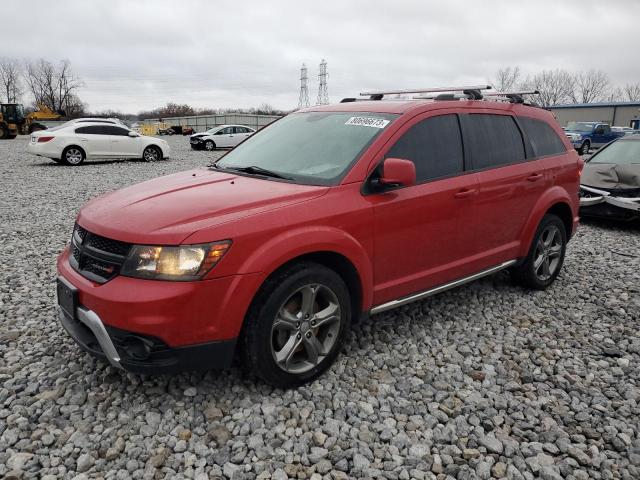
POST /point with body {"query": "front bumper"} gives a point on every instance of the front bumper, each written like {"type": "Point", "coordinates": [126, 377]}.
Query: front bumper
{"type": "Point", "coordinates": [142, 354]}
{"type": "Point", "coordinates": [600, 203]}
{"type": "Point", "coordinates": [186, 325]}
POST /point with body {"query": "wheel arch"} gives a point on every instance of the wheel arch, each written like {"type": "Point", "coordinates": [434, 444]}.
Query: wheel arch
{"type": "Point", "coordinates": [556, 200]}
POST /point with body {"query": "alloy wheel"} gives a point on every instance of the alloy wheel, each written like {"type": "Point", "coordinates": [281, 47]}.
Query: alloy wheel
{"type": "Point", "coordinates": [151, 155]}
{"type": "Point", "coordinates": [306, 328]}
{"type": "Point", "coordinates": [73, 156]}
{"type": "Point", "coordinates": [548, 253]}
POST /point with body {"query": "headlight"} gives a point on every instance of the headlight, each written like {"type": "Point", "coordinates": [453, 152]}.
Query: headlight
{"type": "Point", "coordinates": [183, 263]}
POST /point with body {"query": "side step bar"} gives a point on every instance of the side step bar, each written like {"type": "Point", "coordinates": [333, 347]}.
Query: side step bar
{"type": "Point", "coordinates": [427, 293]}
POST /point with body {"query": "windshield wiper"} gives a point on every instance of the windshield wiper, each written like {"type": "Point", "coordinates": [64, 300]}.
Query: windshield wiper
{"type": "Point", "coordinates": [258, 171]}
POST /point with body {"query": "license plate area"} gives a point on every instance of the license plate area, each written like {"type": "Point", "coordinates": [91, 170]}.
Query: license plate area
{"type": "Point", "coordinates": [67, 298]}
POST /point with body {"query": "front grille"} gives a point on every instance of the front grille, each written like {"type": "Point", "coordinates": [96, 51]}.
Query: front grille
{"type": "Point", "coordinates": [95, 257]}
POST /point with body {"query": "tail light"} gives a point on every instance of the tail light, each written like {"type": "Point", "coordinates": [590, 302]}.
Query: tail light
{"type": "Point", "coordinates": [580, 167]}
{"type": "Point", "coordinates": [45, 139]}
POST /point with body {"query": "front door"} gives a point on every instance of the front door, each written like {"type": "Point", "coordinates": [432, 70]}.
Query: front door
{"type": "Point", "coordinates": [224, 137]}
{"type": "Point", "coordinates": [422, 231]}
{"type": "Point", "coordinates": [122, 145]}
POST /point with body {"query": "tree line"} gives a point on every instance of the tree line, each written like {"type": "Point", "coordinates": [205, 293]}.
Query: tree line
{"type": "Point", "coordinates": [560, 86]}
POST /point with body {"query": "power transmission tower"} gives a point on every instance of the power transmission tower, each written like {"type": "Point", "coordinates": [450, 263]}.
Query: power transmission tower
{"type": "Point", "coordinates": [303, 101]}
{"type": "Point", "coordinates": [323, 93]}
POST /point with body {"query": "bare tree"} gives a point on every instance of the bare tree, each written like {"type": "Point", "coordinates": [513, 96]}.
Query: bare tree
{"type": "Point", "coordinates": [555, 86]}
{"type": "Point", "coordinates": [590, 86]}
{"type": "Point", "coordinates": [506, 79]}
{"type": "Point", "coordinates": [10, 81]}
{"type": "Point", "coordinates": [631, 92]}
{"type": "Point", "coordinates": [53, 86]}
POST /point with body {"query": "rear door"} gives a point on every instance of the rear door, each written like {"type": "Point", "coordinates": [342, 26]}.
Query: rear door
{"type": "Point", "coordinates": [422, 231]}
{"type": "Point", "coordinates": [94, 140]}
{"type": "Point", "coordinates": [510, 182]}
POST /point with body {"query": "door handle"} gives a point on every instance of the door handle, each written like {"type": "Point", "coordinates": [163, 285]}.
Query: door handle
{"type": "Point", "coordinates": [465, 193]}
{"type": "Point", "coordinates": [534, 177]}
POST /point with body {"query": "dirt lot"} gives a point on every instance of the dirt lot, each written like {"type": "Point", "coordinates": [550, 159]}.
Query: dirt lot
{"type": "Point", "coordinates": [485, 381]}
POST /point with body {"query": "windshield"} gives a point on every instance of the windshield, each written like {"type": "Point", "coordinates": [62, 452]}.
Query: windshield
{"type": "Point", "coordinates": [580, 127]}
{"type": "Point", "coordinates": [315, 148]}
{"type": "Point", "coordinates": [619, 153]}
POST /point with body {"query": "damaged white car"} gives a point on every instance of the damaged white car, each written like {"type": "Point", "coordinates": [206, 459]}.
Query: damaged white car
{"type": "Point", "coordinates": [610, 182]}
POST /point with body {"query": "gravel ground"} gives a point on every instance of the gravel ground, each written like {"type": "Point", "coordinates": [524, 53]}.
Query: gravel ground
{"type": "Point", "coordinates": [485, 381]}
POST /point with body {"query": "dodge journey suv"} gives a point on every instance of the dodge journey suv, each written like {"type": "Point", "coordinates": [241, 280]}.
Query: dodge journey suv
{"type": "Point", "coordinates": [327, 215]}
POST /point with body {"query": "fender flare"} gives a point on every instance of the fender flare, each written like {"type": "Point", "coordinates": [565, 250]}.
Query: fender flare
{"type": "Point", "coordinates": [553, 196]}
{"type": "Point", "coordinates": [290, 245]}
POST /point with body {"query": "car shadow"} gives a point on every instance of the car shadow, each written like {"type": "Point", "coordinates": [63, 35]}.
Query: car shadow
{"type": "Point", "coordinates": [632, 226]}
{"type": "Point", "coordinates": [98, 162]}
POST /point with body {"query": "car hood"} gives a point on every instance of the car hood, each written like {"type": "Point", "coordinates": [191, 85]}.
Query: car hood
{"type": "Point", "coordinates": [611, 176]}
{"type": "Point", "coordinates": [168, 209]}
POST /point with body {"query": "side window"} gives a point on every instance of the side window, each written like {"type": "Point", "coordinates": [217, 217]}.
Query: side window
{"type": "Point", "coordinates": [606, 128]}
{"type": "Point", "coordinates": [543, 138]}
{"type": "Point", "coordinates": [493, 140]}
{"type": "Point", "coordinates": [93, 130]}
{"type": "Point", "coordinates": [123, 132]}
{"type": "Point", "coordinates": [434, 145]}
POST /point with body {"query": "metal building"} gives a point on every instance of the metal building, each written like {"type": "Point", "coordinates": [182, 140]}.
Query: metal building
{"type": "Point", "coordinates": [620, 114]}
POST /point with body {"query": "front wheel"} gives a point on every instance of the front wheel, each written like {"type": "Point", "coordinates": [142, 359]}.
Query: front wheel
{"type": "Point", "coordinates": [584, 148]}
{"type": "Point", "coordinates": [209, 145]}
{"type": "Point", "coordinates": [4, 132]}
{"type": "Point", "coordinates": [296, 325]}
{"type": "Point", "coordinates": [152, 154]}
{"type": "Point", "coordinates": [546, 255]}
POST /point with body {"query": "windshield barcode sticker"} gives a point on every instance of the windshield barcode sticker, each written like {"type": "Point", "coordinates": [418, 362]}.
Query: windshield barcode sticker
{"type": "Point", "coordinates": [368, 122]}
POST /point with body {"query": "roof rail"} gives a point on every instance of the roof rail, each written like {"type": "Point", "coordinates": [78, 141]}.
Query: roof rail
{"type": "Point", "coordinates": [513, 97]}
{"type": "Point", "coordinates": [473, 91]}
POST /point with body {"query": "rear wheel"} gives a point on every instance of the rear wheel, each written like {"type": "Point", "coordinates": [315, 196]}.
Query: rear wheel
{"type": "Point", "coordinates": [546, 255]}
{"type": "Point", "coordinates": [209, 145]}
{"type": "Point", "coordinates": [296, 325]}
{"type": "Point", "coordinates": [73, 155]}
{"type": "Point", "coordinates": [152, 154]}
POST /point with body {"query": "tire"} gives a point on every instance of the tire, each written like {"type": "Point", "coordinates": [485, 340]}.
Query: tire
{"type": "Point", "coordinates": [73, 155]}
{"type": "Point", "coordinates": [280, 334]}
{"type": "Point", "coordinates": [4, 133]}
{"type": "Point", "coordinates": [584, 148]}
{"type": "Point", "coordinates": [152, 154]}
{"type": "Point", "coordinates": [546, 255]}
{"type": "Point", "coordinates": [209, 145]}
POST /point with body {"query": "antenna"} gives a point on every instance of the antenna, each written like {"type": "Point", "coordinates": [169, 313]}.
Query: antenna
{"type": "Point", "coordinates": [303, 101]}
{"type": "Point", "coordinates": [323, 93]}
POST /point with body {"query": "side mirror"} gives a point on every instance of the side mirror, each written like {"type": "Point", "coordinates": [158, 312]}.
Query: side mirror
{"type": "Point", "coordinates": [133, 134]}
{"type": "Point", "coordinates": [397, 172]}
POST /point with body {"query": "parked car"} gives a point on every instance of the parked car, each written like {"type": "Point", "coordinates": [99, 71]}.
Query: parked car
{"type": "Point", "coordinates": [623, 130]}
{"type": "Point", "coordinates": [222, 136]}
{"type": "Point", "coordinates": [74, 142]}
{"type": "Point", "coordinates": [330, 214]}
{"type": "Point", "coordinates": [187, 131]}
{"type": "Point", "coordinates": [610, 183]}
{"type": "Point", "coordinates": [587, 135]}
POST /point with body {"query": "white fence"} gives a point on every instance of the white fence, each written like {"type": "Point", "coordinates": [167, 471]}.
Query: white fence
{"type": "Point", "coordinates": [200, 123]}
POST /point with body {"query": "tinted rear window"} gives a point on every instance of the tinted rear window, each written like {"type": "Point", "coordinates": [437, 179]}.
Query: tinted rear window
{"type": "Point", "coordinates": [493, 140]}
{"type": "Point", "coordinates": [434, 145]}
{"type": "Point", "coordinates": [543, 138]}
{"type": "Point", "coordinates": [93, 130]}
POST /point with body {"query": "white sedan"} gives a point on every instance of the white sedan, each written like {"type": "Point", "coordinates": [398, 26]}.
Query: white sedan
{"type": "Point", "coordinates": [222, 136]}
{"type": "Point", "coordinates": [74, 142]}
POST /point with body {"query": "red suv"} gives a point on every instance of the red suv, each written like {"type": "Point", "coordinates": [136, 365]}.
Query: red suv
{"type": "Point", "coordinates": [327, 215]}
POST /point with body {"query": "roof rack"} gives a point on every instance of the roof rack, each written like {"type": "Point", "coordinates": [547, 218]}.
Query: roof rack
{"type": "Point", "coordinates": [474, 91]}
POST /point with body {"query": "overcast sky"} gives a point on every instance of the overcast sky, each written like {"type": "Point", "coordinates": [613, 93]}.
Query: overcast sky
{"type": "Point", "coordinates": [135, 55]}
